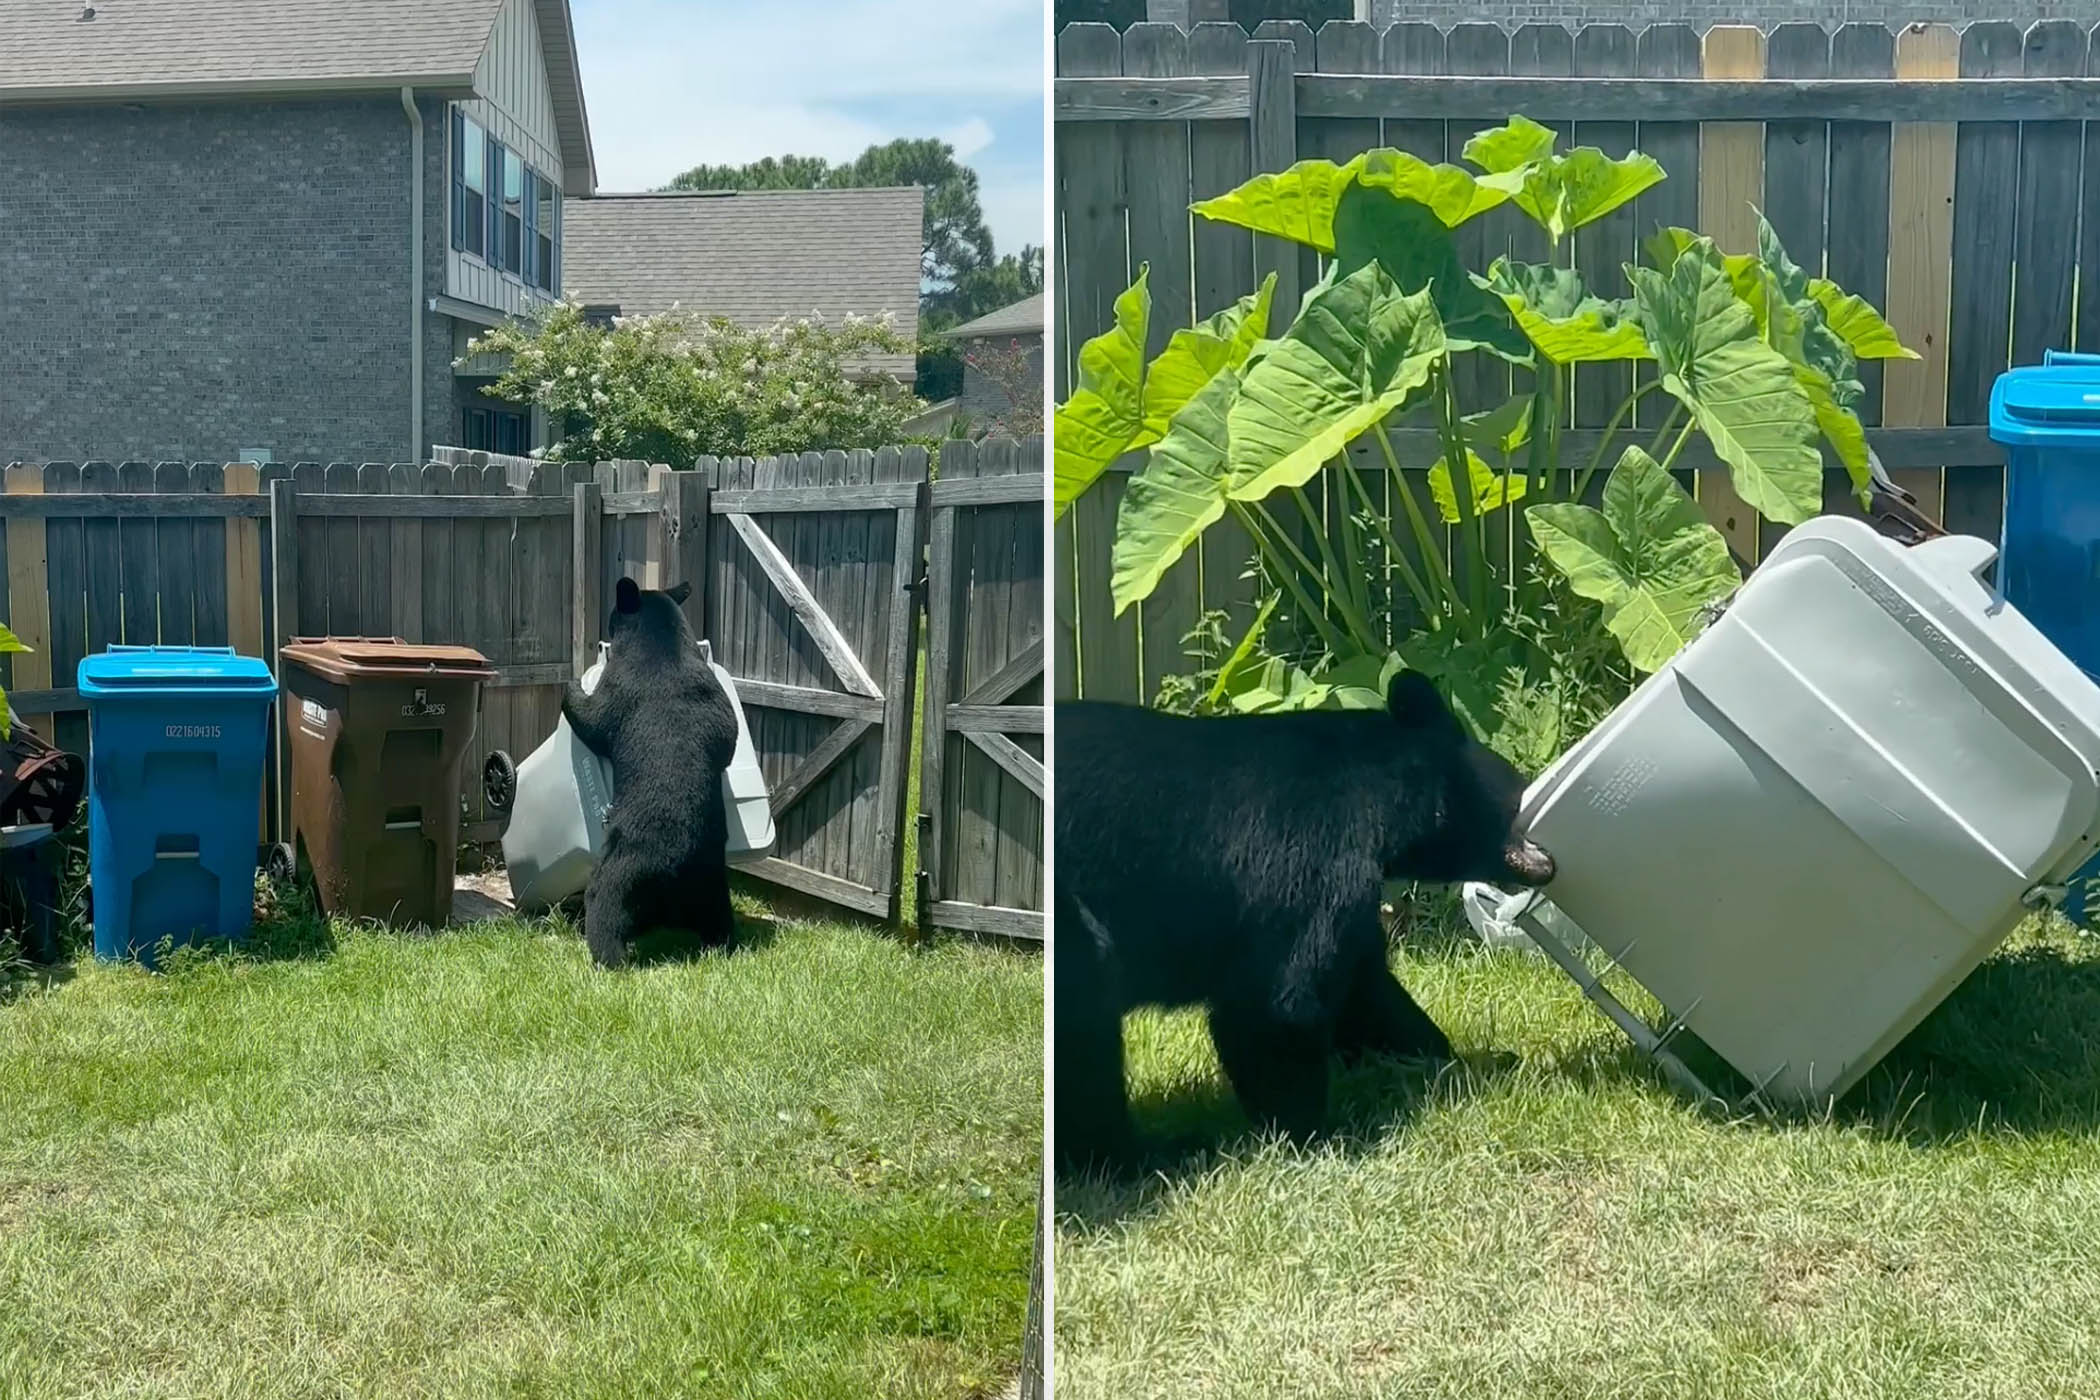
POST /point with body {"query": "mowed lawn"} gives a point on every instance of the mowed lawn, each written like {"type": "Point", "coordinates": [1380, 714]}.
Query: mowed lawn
{"type": "Point", "coordinates": [1547, 1220]}
{"type": "Point", "coordinates": [387, 1165]}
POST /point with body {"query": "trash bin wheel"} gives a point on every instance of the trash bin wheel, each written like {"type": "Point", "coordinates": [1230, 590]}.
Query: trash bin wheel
{"type": "Point", "coordinates": [281, 865]}
{"type": "Point", "coordinates": [499, 781]}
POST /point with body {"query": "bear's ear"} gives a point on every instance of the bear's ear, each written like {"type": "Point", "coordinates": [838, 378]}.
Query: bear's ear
{"type": "Point", "coordinates": [1413, 701]}
{"type": "Point", "coordinates": [680, 592]}
{"type": "Point", "coordinates": [627, 596]}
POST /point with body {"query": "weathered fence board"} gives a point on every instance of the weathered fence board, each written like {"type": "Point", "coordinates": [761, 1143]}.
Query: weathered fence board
{"type": "Point", "coordinates": [812, 610]}
{"type": "Point", "coordinates": [1932, 172]}
{"type": "Point", "coordinates": [981, 759]}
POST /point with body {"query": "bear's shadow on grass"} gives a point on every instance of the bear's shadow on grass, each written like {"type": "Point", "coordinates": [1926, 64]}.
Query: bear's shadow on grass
{"type": "Point", "coordinates": [1185, 1133]}
{"type": "Point", "coordinates": [2014, 1049]}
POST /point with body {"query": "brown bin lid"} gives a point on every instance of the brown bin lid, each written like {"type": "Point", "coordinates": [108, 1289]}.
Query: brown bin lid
{"type": "Point", "coordinates": [343, 659]}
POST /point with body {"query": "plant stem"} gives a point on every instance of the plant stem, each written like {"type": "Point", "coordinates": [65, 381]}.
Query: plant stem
{"type": "Point", "coordinates": [1669, 425]}
{"type": "Point", "coordinates": [1611, 430]}
{"type": "Point", "coordinates": [1460, 468]}
{"type": "Point", "coordinates": [1341, 587]}
{"type": "Point", "coordinates": [1425, 597]}
{"type": "Point", "coordinates": [1678, 446]}
{"type": "Point", "coordinates": [1333, 640]}
{"type": "Point", "coordinates": [1431, 553]}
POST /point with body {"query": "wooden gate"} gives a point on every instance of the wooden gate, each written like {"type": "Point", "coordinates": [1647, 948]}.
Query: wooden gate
{"type": "Point", "coordinates": [981, 841]}
{"type": "Point", "coordinates": [813, 567]}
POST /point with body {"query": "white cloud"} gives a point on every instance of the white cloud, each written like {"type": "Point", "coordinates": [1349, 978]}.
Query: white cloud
{"type": "Point", "coordinates": [969, 138]}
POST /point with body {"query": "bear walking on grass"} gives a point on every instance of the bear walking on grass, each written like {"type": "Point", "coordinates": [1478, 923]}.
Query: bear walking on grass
{"type": "Point", "coordinates": [1236, 864]}
{"type": "Point", "coordinates": [662, 720]}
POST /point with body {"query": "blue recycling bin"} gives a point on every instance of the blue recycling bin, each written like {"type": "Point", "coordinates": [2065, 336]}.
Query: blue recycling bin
{"type": "Point", "coordinates": [2047, 417]}
{"type": "Point", "coordinates": [175, 778]}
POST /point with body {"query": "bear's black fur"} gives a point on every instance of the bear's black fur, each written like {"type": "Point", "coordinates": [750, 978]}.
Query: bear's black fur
{"type": "Point", "coordinates": [1236, 863]}
{"type": "Point", "coordinates": [663, 721]}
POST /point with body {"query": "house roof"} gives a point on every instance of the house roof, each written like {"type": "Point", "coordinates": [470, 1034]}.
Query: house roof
{"type": "Point", "coordinates": [754, 256]}
{"type": "Point", "coordinates": [145, 50]}
{"type": "Point", "coordinates": [1024, 317]}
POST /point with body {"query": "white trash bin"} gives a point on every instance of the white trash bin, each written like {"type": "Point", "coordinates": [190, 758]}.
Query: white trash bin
{"type": "Point", "coordinates": [557, 821]}
{"type": "Point", "coordinates": [1809, 827]}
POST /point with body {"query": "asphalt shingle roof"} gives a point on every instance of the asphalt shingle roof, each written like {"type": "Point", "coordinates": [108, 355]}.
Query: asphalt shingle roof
{"type": "Point", "coordinates": [1024, 317]}
{"type": "Point", "coordinates": [177, 48]}
{"type": "Point", "coordinates": [753, 256]}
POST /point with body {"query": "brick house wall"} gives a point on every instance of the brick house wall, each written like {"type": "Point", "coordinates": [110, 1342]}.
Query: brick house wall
{"type": "Point", "coordinates": [178, 283]}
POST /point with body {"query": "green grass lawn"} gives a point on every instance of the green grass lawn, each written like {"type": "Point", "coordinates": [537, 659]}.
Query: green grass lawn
{"type": "Point", "coordinates": [378, 1164]}
{"type": "Point", "coordinates": [1547, 1220]}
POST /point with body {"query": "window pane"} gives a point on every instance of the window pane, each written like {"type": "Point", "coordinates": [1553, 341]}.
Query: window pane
{"type": "Point", "coordinates": [474, 158]}
{"type": "Point", "coordinates": [513, 178]}
{"type": "Point", "coordinates": [549, 197]}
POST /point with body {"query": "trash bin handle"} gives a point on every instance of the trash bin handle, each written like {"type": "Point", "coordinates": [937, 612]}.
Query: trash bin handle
{"type": "Point", "coordinates": [2069, 357]}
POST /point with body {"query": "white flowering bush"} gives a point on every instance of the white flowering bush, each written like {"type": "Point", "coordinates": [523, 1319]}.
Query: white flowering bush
{"type": "Point", "coordinates": [674, 387]}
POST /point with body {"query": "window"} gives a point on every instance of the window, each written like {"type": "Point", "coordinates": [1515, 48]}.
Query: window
{"type": "Point", "coordinates": [469, 184]}
{"type": "Point", "coordinates": [504, 211]}
{"type": "Point", "coordinates": [513, 259]}
{"type": "Point", "coordinates": [530, 271]}
{"type": "Point", "coordinates": [497, 430]}
{"type": "Point", "coordinates": [550, 214]}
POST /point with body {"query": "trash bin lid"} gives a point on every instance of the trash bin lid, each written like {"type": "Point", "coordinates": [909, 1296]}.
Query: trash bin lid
{"type": "Point", "coordinates": [2043, 405]}
{"type": "Point", "coordinates": [346, 659]}
{"type": "Point", "coordinates": [157, 670]}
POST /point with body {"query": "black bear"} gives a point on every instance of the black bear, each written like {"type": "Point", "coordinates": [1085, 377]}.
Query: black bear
{"type": "Point", "coordinates": [663, 721]}
{"type": "Point", "coordinates": [1236, 863]}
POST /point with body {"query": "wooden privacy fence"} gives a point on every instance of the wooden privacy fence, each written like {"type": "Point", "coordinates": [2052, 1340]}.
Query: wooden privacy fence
{"type": "Point", "coordinates": [1938, 173]}
{"type": "Point", "coordinates": [806, 572]}
{"type": "Point", "coordinates": [981, 845]}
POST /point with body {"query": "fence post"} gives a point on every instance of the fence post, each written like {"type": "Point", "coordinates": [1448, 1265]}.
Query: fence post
{"type": "Point", "coordinates": [1272, 92]}
{"type": "Point", "coordinates": [1174, 12]}
{"type": "Point", "coordinates": [284, 567]}
{"type": "Point", "coordinates": [682, 546]}
{"type": "Point", "coordinates": [583, 641]}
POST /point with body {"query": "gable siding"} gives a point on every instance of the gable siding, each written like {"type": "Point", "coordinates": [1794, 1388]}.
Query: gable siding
{"type": "Point", "coordinates": [516, 107]}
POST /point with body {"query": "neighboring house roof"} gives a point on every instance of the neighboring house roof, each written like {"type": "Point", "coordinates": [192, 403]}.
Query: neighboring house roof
{"type": "Point", "coordinates": [145, 50]}
{"type": "Point", "coordinates": [753, 256]}
{"type": "Point", "coordinates": [1024, 317]}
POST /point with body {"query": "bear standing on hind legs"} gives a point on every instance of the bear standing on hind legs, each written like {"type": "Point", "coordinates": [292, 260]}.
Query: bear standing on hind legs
{"type": "Point", "coordinates": [1236, 864]}
{"type": "Point", "coordinates": [663, 721]}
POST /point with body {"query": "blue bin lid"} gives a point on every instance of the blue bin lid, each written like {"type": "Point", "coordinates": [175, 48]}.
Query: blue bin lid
{"type": "Point", "coordinates": [2052, 404]}
{"type": "Point", "coordinates": [123, 670]}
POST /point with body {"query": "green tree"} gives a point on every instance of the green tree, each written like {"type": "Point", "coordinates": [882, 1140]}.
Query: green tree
{"type": "Point", "coordinates": [963, 276]}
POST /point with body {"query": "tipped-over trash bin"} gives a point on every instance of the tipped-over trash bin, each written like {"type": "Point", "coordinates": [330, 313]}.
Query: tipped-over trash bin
{"type": "Point", "coordinates": [177, 741]}
{"type": "Point", "coordinates": [379, 729]}
{"type": "Point", "coordinates": [557, 820]}
{"type": "Point", "coordinates": [1804, 831]}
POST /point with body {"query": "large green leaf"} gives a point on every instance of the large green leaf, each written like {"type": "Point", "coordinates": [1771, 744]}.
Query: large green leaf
{"type": "Point", "coordinates": [1297, 204]}
{"type": "Point", "coordinates": [1175, 496]}
{"type": "Point", "coordinates": [1492, 490]}
{"type": "Point", "coordinates": [1563, 320]}
{"type": "Point", "coordinates": [1414, 247]}
{"type": "Point", "coordinates": [1357, 352]}
{"type": "Point", "coordinates": [1275, 685]}
{"type": "Point", "coordinates": [1567, 191]}
{"type": "Point", "coordinates": [1859, 325]}
{"type": "Point", "coordinates": [1502, 430]}
{"type": "Point", "coordinates": [1195, 356]}
{"type": "Point", "coordinates": [1516, 143]}
{"type": "Point", "coordinates": [1741, 392]}
{"type": "Point", "coordinates": [1102, 418]}
{"type": "Point", "coordinates": [1648, 556]}
{"type": "Point", "coordinates": [1453, 193]}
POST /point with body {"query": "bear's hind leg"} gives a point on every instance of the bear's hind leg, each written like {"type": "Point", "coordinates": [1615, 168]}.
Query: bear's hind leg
{"type": "Point", "coordinates": [1092, 1104]}
{"type": "Point", "coordinates": [1380, 1018]}
{"type": "Point", "coordinates": [1278, 1066]}
{"type": "Point", "coordinates": [714, 919]}
{"type": "Point", "coordinates": [609, 916]}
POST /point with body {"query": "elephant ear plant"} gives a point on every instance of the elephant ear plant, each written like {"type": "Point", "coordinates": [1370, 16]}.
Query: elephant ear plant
{"type": "Point", "coordinates": [9, 642]}
{"type": "Point", "coordinates": [1751, 353]}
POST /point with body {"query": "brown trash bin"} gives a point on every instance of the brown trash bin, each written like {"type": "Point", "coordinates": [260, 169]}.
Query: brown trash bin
{"type": "Point", "coordinates": [378, 730]}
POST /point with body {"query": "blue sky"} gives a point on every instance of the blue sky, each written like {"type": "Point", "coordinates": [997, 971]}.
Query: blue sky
{"type": "Point", "coordinates": [677, 83]}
